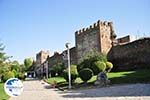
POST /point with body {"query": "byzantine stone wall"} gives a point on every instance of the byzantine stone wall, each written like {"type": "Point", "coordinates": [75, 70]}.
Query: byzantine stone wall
{"type": "Point", "coordinates": [87, 42]}
{"type": "Point", "coordinates": [105, 37]}
{"type": "Point", "coordinates": [73, 54]}
{"type": "Point", "coordinates": [131, 56]}
{"type": "Point", "coordinates": [41, 57]}
{"type": "Point", "coordinates": [123, 40]}
{"type": "Point", "coordinates": [57, 58]}
{"type": "Point", "coordinates": [98, 37]}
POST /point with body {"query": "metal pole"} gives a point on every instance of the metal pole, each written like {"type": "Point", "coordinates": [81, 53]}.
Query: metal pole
{"type": "Point", "coordinates": [47, 69]}
{"type": "Point", "coordinates": [69, 74]}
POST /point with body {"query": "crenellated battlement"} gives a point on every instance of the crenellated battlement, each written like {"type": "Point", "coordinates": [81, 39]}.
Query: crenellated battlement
{"type": "Point", "coordinates": [94, 26]}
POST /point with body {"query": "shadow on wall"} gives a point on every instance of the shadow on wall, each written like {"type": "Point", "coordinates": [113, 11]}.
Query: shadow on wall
{"type": "Point", "coordinates": [131, 56]}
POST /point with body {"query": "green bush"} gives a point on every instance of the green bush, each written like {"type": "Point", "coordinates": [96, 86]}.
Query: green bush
{"type": "Point", "coordinates": [74, 73]}
{"type": "Point", "coordinates": [109, 66]}
{"type": "Point", "coordinates": [8, 75]}
{"type": "Point", "coordinates": [89, 62]}
{"type": "Point", "coordinates": [21, 76]}
{"type": "Point", "coordinates": [100, 65]}
{"type": "Point", "coordinates": [85, 74]}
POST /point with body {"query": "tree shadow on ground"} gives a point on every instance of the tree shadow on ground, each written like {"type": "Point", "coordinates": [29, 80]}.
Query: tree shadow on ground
{"type": "Point", "coordinates": [121, 86]}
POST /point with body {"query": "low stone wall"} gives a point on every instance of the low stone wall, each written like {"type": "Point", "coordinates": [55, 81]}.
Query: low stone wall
{"type": "Point", "coordinates": [131, 56]}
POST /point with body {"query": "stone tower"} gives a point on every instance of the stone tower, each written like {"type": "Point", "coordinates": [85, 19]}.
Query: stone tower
{"type": "Point", "coordinates": [98, 36]}
{"type": "Point", "coordinates": [41, 57]}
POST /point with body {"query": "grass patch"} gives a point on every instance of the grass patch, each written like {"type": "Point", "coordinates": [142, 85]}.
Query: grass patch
{"type": "Point", "coordinates": [3, 95]}
{"type": "Point", "coordinates": [56, 79]}
{"type": "Point", "coordinates": [139, 76]}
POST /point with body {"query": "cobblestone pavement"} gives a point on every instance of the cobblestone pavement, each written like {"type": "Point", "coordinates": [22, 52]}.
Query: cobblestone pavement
{"type": "Point", "coordinates": [38, 90]}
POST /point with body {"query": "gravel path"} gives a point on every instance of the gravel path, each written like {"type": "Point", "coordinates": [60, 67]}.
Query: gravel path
{"type": "Point", "coordinates": [38, 90]}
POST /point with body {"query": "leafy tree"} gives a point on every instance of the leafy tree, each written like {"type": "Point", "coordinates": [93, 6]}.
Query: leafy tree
{"type": "Point", "coordinates": [7, 69]}
{"type": "Point", "coordinates": [28, 63]}
{"type": "Point", "coordinates": [58, 68]}
{"type": "Point", "coordinates": [15, 73]}
{"type": "Point", "coordinates": [8, 75]}
{"type": "Point", "coordinates": [15, 66]}
{"type": "Point", "coordinates": [22, 68]}
{"type": "Point", "coordinates": [2, 54]}
{"type": "Point", "coordinates": [3, 68]}
{"type": "Point", "coordinates": [3, 57]}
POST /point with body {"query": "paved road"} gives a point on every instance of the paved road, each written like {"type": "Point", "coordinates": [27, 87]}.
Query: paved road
{"type": "Point", "coordinates": [38, 90]}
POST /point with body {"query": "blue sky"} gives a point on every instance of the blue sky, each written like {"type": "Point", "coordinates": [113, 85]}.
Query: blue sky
{"type": "Point", "coordinates": [28, 26]}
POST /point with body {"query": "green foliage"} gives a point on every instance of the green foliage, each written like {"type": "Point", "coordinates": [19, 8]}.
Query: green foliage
{"type": "Point", "coordinates": [100, 65]}
{"type": "Point", "coordinates": [8, 69]}
{"type": "Point", "coordinates": [3, 95]}
{"type": "Point", "coordinates": [95, 55]}
{"type": "Point", "coordinates": [15, 66]}
{"type": "Point", "coordinates": [109, 66]}
{"type": "Point", "coordinates": [85, 74]}
{"type": "Point", "coordinates": [28, 63]}
{"type": "Point", "coordinates": [73, 71]}
{"type": "Point", "coordinates": [8, 75]}
{"type": "Point", "coordinates": [22, 68]}
{"type": "Point", "coordinates": [58, 68]}
{"type": "Point", "coordinates": [3, 67]}
{"type": "Point", "coordinates": [15, 72]}
{"type": "Point", "coordinates": [2, 54]}
{"type": "Point", "coordinates": [53, 72]}
{"type": "Point", "coordinates": [89, 60]}
{"type": "Point", "coordinates": [56, 79]}
{"type": "Point", "coordinates": [21, 76]}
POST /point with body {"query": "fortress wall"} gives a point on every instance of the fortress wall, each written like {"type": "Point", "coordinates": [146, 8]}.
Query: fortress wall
{"type": "Point", "coordinates": [73, 55]}
{"type": "Point", "coordinates": [97, 37]}
{"type": "Point", "coordinates": [131, 56]}
{"type": "Point", "coordinates": [58, 58]}
{"type": "Point", "coordinates": [86, 40]}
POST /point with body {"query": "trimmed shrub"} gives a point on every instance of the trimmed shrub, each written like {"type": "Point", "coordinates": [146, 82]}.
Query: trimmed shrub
{"type": "Point", "coordinates": [89, 62]}
{"type": "Point", "coordinates": [74, 73]}
{"type": "Point", "coordinates": [100, 65]}
{"type": "Point", "coordinates": [109, 66]}
{"type": "Point", "coordinates": [85, 74]}
{"type": "Point", "coordinates": [8, 75]}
